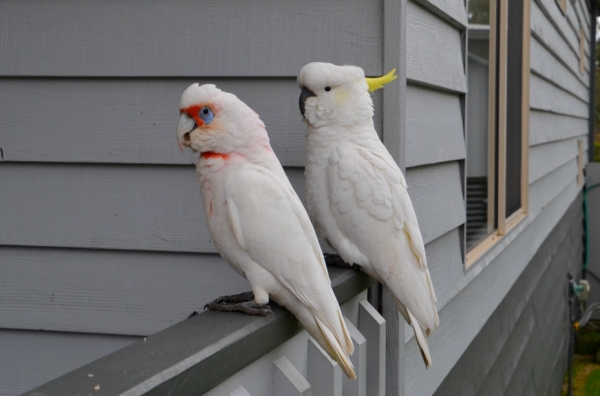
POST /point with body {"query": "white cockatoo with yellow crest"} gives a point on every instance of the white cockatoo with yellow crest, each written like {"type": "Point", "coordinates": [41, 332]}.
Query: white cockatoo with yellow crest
{"type": "Point", "coordinates": [356, 194]}
{"type": "Point", "coordinates": [256, 220]}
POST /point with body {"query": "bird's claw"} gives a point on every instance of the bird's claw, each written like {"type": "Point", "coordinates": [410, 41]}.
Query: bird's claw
{"type": "Point", "coordinates": [336, 261]}
{"type": "Point", "coordinates": [193, 314]}
{"type": "Point", "coordinates": [243, 302]}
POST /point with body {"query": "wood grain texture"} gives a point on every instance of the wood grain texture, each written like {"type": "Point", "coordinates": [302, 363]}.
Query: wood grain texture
{"type": "Point", "coordinates": [546, 33]}
{"type": "Point", "coordinates": [515, 340]}
{"type": "Point", "coordinates": [582, 6]}
{"type": "Point", "coordinates": [156, 208]}
{"type": "Point", "coordinates": [436, 194]}
{"type": "Point", "coordinates": [184, 38]}
{"type": "Point", "coordinates": [394, 98]}
{"type": "Point", "coordinates": [324, 374]}
{"type": "Point", "coordinates": [547, 66]}
{"type": "Point", "coordinates": [548, 127]}
{"type": "Point", "coordinates": [256, 377]}
{"type": "Point", "coordinates": [394, 138]}
{"type": "Point", "coordinates": [467, 376]}
{"type": "Point", "coordinates": [452, 11]}
{"type": "Point", "coordinates": [549, 186]}
{"type": "Point", "coordinates": [543, 345]}
{"type": "Point", "coordinates": [433, 51]}
{"type": "Point", "coordinates": [463, 318]}
{"type": "Point", "coordinates": [560, 22]}
{"type": "Point", "coordinates": [445, 262]}
{"type": "Point", "coordinates": [241, 391]}
{"type": "Point", "coordinates": [572, 17]}
{"type": "Point", "coordinates": [547, 157]}
{"type": "Point", "coordinates": [196, 364]}
{"type": "Point", "coordinates": [444, 256]}
{"type": "Point", "coordinates": [434, 127]}
{"type": "Point", "coordinates": [582, 18]}
{"type": "Point", "coordinates": [548, 97]}
{"type": "Point", "coordinates": [110, 292]}
{"type": "Point", "coordinates": [30, 357]}
{"type": "Point", "coordinates": [372, 325]}
{"type": "Point", "coordinates": [358, 386]}
{"type": "Point", "coordinates": [134, 120]}
{"type": "Point", "coordinates": [298, 351]}
{"type": "Point", "coordinates": [287, 380]}
{"type": "Point", "coordinates": [500, 358]}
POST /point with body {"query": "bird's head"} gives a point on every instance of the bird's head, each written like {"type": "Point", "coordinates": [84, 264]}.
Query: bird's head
{"type": "Point", "coordinates": [218, 122]}
{"type": "Point", "coordinates": [334, 94]}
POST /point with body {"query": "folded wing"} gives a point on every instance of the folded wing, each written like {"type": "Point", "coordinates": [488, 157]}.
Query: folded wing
{"type": "Point", "coordinates": [371, 206]}
{"type": "Point", "coordinates": [270, 223]}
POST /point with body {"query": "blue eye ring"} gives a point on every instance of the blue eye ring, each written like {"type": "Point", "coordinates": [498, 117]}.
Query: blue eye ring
{"type": "Point", "coordinates": [206, 114]}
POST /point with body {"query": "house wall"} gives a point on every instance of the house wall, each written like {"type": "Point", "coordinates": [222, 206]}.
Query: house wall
{"type": "Point", "coordinates": [471, 301]}
{"type": "Point", "coordinates": [522, 348]}
{"type": "Point", "coordinates": [103, 233]}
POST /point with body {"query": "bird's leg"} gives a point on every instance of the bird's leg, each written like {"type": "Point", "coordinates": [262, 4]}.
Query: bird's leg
{"type": "Point", "coordinates": [336, 260]}
{"type": "Point", "coordinates": [243, 302]}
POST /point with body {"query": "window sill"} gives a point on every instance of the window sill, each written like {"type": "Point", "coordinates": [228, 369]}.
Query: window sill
{"type": "Point", "coordinates": [484, 246]}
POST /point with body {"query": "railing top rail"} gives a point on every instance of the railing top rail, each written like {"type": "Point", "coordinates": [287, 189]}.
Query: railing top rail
{"type": "Point", "coordinates": [193, 356]}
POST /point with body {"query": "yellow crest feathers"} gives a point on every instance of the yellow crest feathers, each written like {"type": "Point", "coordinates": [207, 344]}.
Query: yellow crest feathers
{"type": "Point", "coordinates": [376, 83]}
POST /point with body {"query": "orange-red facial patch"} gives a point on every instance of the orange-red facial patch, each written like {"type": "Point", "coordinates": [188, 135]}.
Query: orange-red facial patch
{"type": "Point", "coordinates": [194, 112]}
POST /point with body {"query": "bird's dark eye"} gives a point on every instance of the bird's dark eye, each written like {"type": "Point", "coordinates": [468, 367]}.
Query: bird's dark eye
{"type": "Point", "coordinates": [327, 89]}
{"type": "Point", "coordinates": [207, 115]}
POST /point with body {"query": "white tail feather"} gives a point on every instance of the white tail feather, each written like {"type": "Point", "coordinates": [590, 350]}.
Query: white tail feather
{"type": "Point", "coordinates": [335, 349]}
{"type": "Point", "coordinates": [421, 340]}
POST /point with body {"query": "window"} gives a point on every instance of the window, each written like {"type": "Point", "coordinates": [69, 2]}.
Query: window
{"type": "Point", "coordinates": [497, 121]}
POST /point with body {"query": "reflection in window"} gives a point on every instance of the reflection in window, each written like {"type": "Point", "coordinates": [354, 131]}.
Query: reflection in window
{"type": "Point", "coordinates": [479, 219]}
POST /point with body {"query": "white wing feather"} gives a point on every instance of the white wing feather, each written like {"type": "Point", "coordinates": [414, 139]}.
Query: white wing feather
{"type": "Point", "coordinates": [271, 224]}
{"type": "Point", "coordinates": [371, 206]}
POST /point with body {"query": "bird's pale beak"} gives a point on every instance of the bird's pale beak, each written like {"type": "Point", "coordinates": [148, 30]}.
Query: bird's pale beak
{"type": "Point", "coordinates": [185, 127]}
{"type": "Point", "coordinates": [305, 94]}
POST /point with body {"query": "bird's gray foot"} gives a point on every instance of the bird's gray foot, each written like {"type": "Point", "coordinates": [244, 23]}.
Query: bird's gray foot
{"type": "Point", "coordinates": [243, 302]}
{"type": "Point", "coordinates": [336, 261]}
{"type": "Point", "coordinates": [248, 307]}
{"type": "Point", "coordinates": [235, 298]}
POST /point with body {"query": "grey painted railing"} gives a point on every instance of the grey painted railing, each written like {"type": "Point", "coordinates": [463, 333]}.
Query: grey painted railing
{"type": "Point", "coordinates": [196, 355]}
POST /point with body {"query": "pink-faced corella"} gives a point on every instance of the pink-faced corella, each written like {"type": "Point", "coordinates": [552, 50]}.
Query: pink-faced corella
{"type": "Point", "coordinates": [356, 194]}
{"type": "Point", "coordinates": [256, 220]}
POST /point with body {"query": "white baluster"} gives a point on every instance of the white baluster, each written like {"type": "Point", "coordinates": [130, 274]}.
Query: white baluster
{"type": "Point", "coordinates": [241, 391]}
{"type": "Point", "coordinates": [287, 381]}
{"type": "Point", "coordinates": [357, 387]}
{"type": "Point", "coordinates": [324, 374]}
{"type": "Point", "coordinates": [372, 326]}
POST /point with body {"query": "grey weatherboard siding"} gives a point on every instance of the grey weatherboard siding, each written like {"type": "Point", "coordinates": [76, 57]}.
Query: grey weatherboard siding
{"type": "Point", "coordinates": [103, 236]}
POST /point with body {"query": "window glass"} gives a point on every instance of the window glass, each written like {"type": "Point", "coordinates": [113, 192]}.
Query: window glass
{"type": "Point", "coordinates": [479, 221]}
{"type": "Point", "coordinates": [514, 89]}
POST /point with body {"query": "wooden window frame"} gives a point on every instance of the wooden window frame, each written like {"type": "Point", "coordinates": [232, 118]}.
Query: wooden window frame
{"type": "Point", "coordinates": [504, 225]}
{"type": "Point", "coordinates": [562, 4]}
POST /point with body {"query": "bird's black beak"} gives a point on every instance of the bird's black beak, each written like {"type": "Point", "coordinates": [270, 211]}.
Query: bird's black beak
{"type": "Point", "coordinates": [306, 93]}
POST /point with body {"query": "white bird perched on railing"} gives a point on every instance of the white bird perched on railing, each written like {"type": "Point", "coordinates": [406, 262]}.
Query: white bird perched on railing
{"type": "Point", "coordinates": [257, 221]}
{"type": "Point", "coordinates": [356, 194]}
